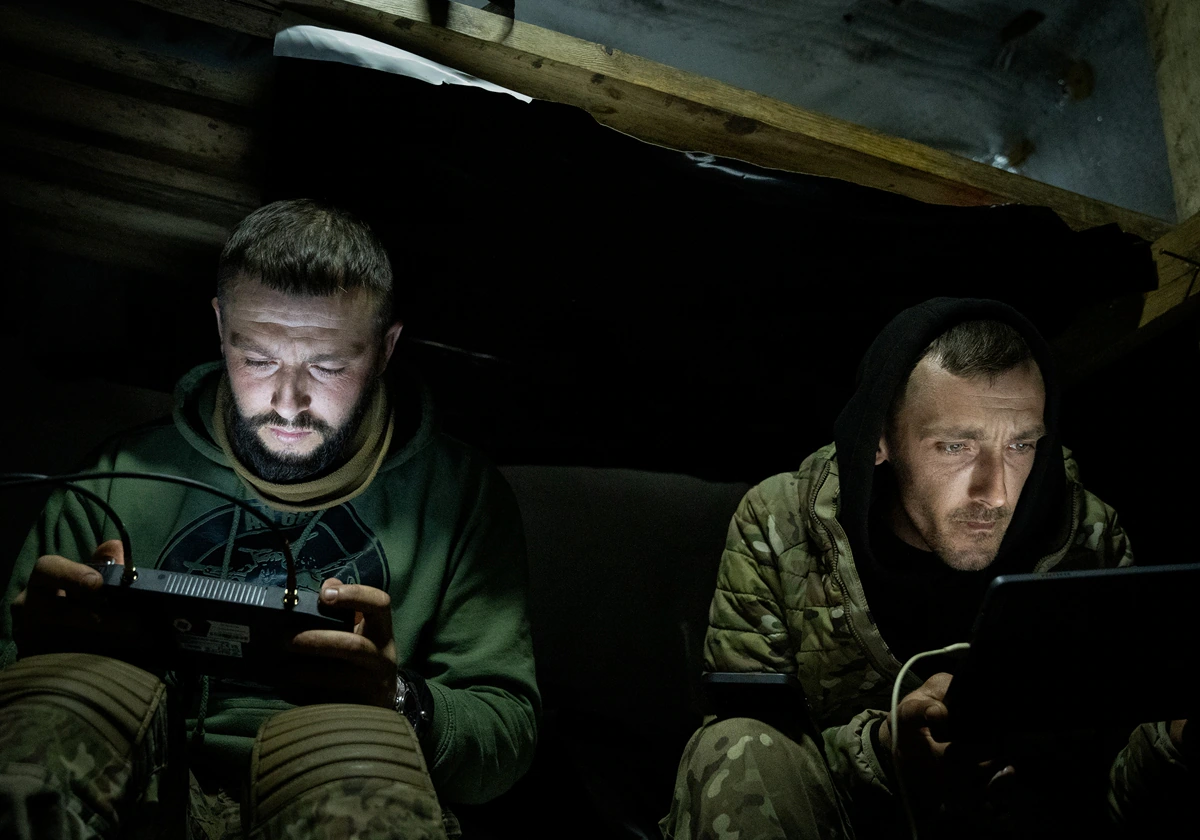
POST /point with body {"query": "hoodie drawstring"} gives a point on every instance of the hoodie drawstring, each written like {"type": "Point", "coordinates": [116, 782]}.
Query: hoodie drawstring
{"type": "Point", "coordinates": [233, 529]}
{"type": "Point", "coordinates": [298, 545]}
{"type": "Point", "coordinates": [202, 712]}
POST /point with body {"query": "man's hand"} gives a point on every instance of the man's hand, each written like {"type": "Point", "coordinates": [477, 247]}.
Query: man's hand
{"type": "Point", "coordinates": [49, 609]}
{"type": "Point", "coordinates": [343, 667]}
{"type": "Point", "coordinates": [920, 756]}
{"type": "Point", "coordinates": [934, 771]}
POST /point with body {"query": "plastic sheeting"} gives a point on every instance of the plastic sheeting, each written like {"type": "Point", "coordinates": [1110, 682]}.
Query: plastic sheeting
{"type": "Point", "coordinates": [301, 40]}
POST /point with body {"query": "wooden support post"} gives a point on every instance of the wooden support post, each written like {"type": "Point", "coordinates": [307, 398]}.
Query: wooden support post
{"type": "Point", "coordinates": [1174, 30]}
{"type": "Point", "coordinates": [1111, 329]}
{"type": "Point", "coordinates": [1177, 256]}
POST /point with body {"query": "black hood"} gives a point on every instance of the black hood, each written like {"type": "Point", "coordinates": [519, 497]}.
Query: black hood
{"type": "Point", "coordinates": [886, 368]}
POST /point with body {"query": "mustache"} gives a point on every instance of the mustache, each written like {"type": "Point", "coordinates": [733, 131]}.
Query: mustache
{"type": "Point", "coordinates": [981, 515]}
{"type": "Point", "coordinates": [305, 422]}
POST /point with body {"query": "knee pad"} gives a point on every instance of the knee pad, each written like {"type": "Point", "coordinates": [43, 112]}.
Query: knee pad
{"type": "Point", "coordinates": [340, 762]}
{"type": "Point", "coordinates": [115, 698]}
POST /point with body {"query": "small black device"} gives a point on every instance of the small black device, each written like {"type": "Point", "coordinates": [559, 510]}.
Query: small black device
{"type": "Point", "coordinates": [774, 699]}
{"type": "Point", "coordinates": [1077, 650]}
{"type": "Point", "coordinates": [177, 621]}
{"type": "Point", "coordinates": [206, 625]}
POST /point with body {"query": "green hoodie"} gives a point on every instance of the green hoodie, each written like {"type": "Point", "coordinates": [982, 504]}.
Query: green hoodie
{"type": "Point", "coordinates": [438, 529]}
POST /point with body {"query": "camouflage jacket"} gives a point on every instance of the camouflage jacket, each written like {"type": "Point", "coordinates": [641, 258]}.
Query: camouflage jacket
{"type": "Point", "coordinates": [789, 600]}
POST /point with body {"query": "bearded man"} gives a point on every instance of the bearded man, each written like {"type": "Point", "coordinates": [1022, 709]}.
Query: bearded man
{"type": "Point", "coordinates": [947, 471]}
{"type": "Point", "coordinates": [410, 531]}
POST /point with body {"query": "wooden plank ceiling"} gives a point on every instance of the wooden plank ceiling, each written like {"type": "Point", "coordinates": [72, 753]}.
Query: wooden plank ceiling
{"type": "Point", "coordinates": [673, 108]}
{"type": "Point", "coordinates": [101, 130]}
{"type": "Point", "coordinates": [145, 156]}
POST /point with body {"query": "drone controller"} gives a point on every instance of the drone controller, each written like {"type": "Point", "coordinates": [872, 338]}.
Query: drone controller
{"type": "Point", "coordinates": [182, 622]}
{"type": "Point", "coordinates": [175, 621]}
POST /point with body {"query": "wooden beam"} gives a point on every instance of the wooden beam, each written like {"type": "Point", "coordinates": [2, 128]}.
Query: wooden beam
{"type": "Point", "coordinates": [55, 43]}
{"type": "Point", "coordinates": [154, 256]}
{"type": "Point", "coordinates": [680, 110]}
{"type": "Point", "coordinates": [253, 17]}
{"type": "Point", "coordinates": [156, 131]}
{"type": "Point", "coordinates": [1177, 256]}
{"type": "Point", "coordinates": [1113, 328]}
{"type": "Point", "coordinates": [25, 147]}
{"type": "Point", "coordinates": [1174, 30]}
{"type": "Point", "coordinates": [131, 224]}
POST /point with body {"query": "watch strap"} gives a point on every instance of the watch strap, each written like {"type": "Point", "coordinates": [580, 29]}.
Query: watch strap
{"type": "Point", "coordinates": [414, 700]}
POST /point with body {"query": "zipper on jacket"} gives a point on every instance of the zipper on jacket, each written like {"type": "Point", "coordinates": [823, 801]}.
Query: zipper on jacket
{"type": "Point", "coordinates": [885, 669]}
{"type": "Point", "coordinates": [835, 572]}
{"type": "Point", "coordinates": [1065, 547]}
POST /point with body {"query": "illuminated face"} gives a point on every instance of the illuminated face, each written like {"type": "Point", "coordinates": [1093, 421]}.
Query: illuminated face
{"type": "Point", "coordinates": [301, 370]}
{"type": "Point", "coordinates": [961, 450]}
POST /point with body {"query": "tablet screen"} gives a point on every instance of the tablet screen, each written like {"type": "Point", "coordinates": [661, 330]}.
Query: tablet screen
{"type": "Point", "coordinates": [1090, 648]}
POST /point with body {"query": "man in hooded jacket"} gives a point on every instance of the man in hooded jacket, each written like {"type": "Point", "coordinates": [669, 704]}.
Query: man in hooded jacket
{"type": "Point", "coordinates": [946, 472]}
{"type": "Point", "coordinates": [306, 421]}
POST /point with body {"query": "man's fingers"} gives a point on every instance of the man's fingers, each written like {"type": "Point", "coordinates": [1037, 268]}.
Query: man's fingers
{"type": "Point", "coordinates": [373, 604]}
{"type": "Point", "coordinates": [56, 575]}
{"type": "Point", "coordinates": [936, 686]}
{"type": "Point", "coordinates": [922, 724]}
{"type": "Point", "coordinates": [44, 620]}
{"type": "Point", "coordinates": [922, 714]}
{"type": "Point", "coordinates": [334, 644]}
{"type": "Point", "coordinates": [109, 550]}
{"type": "Point", "coordinates": [53, 574]}
{"type": "Point", "coordinates": [341, 647]}
{"type": "Point", "coordinates": [917, 711]}
{"type": "Point", "coordinates": [926, 701]}
{"type": "Point", "coordinates": [355, 596]}
{"type": "Point", "coordinates": [937, 718]}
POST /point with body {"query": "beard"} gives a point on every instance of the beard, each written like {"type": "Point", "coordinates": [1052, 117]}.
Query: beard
{"type": "Point", "coordinates": [945, 533]}
{"type": "Point", "coordinates": [962, 550]}
{"type": "Point", "coordinates": [288, 468]}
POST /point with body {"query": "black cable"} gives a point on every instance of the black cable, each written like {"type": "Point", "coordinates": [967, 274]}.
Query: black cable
{"type": "Point", "coordinates": [69, 481]}
{"type": "Point", "coordinates": [98, 500]}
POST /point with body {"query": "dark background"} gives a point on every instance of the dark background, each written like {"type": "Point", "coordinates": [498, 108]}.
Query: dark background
{"type": "Point", "coordinates": [576, 297]}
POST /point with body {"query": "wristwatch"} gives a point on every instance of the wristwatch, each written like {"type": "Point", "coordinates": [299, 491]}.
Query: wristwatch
{"type": "Point", "coordinates": [408, 703]}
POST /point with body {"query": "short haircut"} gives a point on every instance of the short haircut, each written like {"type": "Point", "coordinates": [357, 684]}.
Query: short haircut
{"type": "Point", "coordinates": [972, 349]}
{"type": "Point", "coordinates": [979, 348]}
{"type": "Point", "coordinates": [305, 247]}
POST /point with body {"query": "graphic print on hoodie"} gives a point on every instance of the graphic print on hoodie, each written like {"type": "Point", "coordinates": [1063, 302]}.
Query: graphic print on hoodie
{"type": "Point", "coordinates": [230, 544]}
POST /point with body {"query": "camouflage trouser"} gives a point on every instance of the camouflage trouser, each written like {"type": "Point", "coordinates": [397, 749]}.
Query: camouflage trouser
{"type": "Point", "coordinates": [86, 752]}
{"type": "Point", "coordinates": [740, 779]}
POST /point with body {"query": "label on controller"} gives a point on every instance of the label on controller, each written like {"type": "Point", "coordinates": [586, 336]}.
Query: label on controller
{"type": "Point", "coordinates": [229, 632]}
{"type": "Point", "coordinates": [217, 647]}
